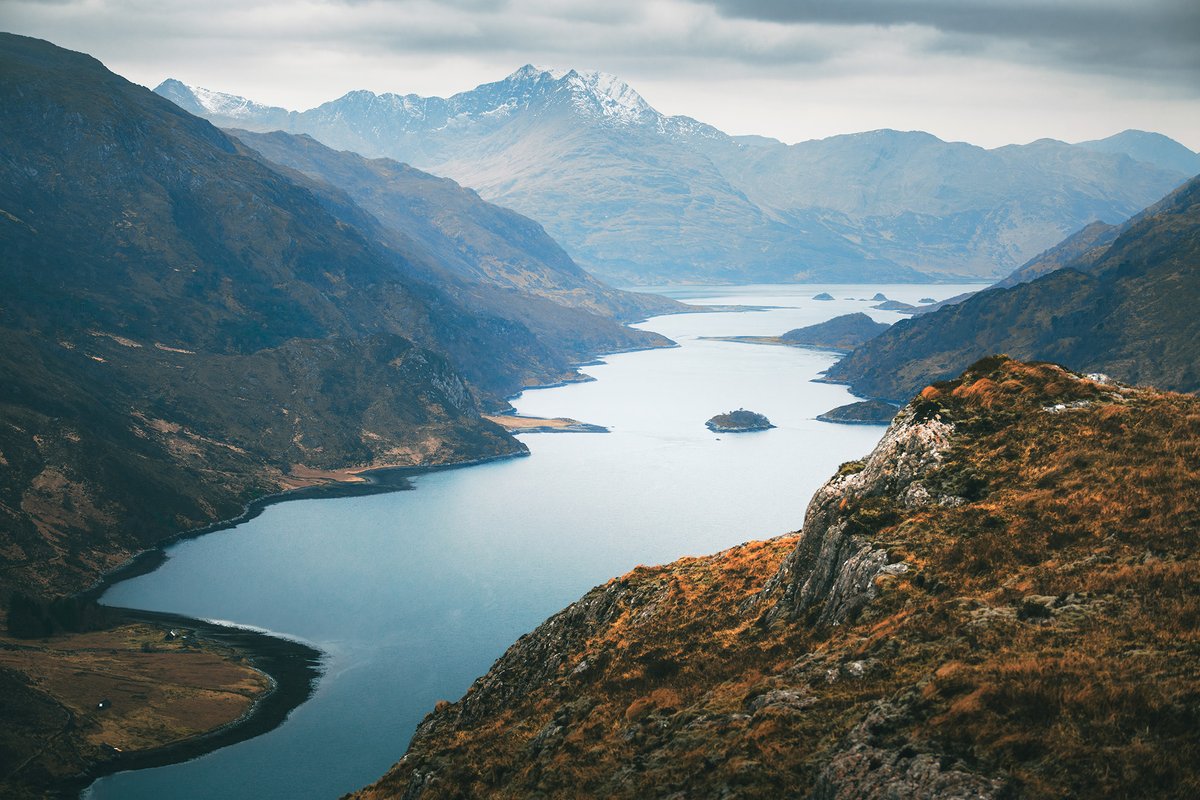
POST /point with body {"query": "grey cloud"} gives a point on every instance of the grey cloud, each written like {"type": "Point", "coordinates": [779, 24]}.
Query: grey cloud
{"type": "Point", "coordinates": [1094, 35]}
{"type": "Point", "coordinates": [993, 17]}
{"type": "Point", "coordinates": [852, 58]}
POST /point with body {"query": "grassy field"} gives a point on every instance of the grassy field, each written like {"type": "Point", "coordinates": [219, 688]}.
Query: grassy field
{"type": "Point", "coordinates": [77, 699]}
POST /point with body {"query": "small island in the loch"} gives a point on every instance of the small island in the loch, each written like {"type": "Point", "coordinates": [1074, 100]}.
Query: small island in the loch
{"type": "Point", "coordinates": [865, 412]}
{"type": "Point", "coordinates": [740, 421]}
{"type": "Point", "coordinates": [896, 305]}
{"type": "Point", "coordinates": [823, 296]}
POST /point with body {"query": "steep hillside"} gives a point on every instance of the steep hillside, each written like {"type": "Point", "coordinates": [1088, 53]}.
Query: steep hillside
{"type": "Point", "coordinates": [996, 602]}
{"type": "Point", "coordinates": [1125, 309]}
{"type": "Point", "coordinates": [1081, 248]}
{"type": "Point", "coordinates": [187, 328]}
{"type": "Point", "coordinates": [472, 239]}
{"type": "Point", "coordinates": [642, 197]}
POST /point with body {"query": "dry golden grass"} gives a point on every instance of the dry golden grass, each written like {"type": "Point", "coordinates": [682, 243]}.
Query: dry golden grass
{"type": "Point", "coordinates": [158, 692]}
{"type": "Point", "coordinates": [514, 423]}
{"type": "Point", "coordinates": [1047, 633]}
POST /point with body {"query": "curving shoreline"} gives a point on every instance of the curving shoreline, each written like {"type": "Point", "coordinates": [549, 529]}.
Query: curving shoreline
{"type": "Point", "coordinates": [293, 667]}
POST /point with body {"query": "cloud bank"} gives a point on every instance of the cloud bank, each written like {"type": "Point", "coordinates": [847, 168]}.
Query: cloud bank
{"type": "Point", "coordinates": [984, 71]}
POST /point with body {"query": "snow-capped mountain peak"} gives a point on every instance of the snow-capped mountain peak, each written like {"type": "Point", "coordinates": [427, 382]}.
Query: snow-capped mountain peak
{"type": "Point", "coordinates": [593, 93]}
{"type": "Point", "coordinates": [615, 97]}
{"type": "Point", "coordinates": [208, 102]}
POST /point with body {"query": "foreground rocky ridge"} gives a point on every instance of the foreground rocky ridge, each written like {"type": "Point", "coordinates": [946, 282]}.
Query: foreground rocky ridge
{"type": "Point", "coordinates": [995, 603]}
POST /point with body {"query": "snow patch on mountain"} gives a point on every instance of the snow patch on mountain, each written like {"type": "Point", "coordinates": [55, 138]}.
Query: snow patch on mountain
{"type": "Point", "coordinates": [592, 93]}
{"type": "Point", "coordinates": [226, 105]}
{"type": "Point", "coordinates": [614, 96]}
{"type": "Point", "coordinates": [554, 72]}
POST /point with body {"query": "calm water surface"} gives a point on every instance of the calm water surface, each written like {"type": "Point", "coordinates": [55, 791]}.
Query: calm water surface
{"type": "Point", "coordinates": [414, 594]}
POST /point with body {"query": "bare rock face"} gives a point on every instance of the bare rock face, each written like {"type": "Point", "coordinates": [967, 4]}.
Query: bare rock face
{"type": "Point", "coordinates": [832, 572]}
{"type": "Point", "coordinates": [870, 768]}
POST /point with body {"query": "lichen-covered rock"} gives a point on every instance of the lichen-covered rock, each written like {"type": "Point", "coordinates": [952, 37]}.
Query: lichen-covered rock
{"type": "Point", "coordinates": [834, 567]}
{"type": "Point", "coordinates": [869, 767]}
{"type": "Point", "coordinates": [984, 607]}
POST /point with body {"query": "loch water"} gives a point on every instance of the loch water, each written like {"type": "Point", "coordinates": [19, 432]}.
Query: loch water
{"type": "Point", "coordinates": [413, 594]}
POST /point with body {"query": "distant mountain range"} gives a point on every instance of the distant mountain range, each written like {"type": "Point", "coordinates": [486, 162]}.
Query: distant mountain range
{"type": "Point", "coordinates": [641, 197]}
{"type": "Point", "coordinates": [1119, 300]}
{"type": "Point", "coordinates": [188, 326]}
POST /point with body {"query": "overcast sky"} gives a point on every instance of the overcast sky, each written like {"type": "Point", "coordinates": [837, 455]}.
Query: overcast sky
{"type": "Point", "coordinates": [990, 72]}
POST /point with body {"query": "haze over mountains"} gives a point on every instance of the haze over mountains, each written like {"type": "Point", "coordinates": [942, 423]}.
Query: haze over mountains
{"type": "Point", "coordinates": [637, 196]}
{"type": "Point", "coordinates": [1119, 300]}
{"type": "Point", "coordinates": [474, 240]}
{"type": "Point", "coordinates": [196, 318]}
{"type": "Point", "coordinates": [188, 327]}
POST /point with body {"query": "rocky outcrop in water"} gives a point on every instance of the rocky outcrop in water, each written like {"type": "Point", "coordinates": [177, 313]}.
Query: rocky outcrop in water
{"type": "Point", "coordinates": [739, 421]}
{"type": "Point", "coordinates": [840, 333]}
{"type": "Point", "coordinates": [865, 412]}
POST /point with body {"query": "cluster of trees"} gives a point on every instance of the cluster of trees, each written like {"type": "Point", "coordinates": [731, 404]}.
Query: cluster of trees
{"type": "Point", "coordinates": [32, 617]}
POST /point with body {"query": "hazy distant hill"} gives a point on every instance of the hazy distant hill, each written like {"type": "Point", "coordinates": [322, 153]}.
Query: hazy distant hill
{"type": "Point", "coordinates": [474, 240]}
{"type": "Point", "coordinates": [1127, 309]}
{"type": "Point", "coordinates": [184, 325]}
{"type": "Point", "coordinates": [643, 197]}
{"type": "Point", "coordinates": [840, 333]}
{"type": "Point", "coordinates": [1085, 244]}
{"type": "Point", "coordinates": [1152, 148]}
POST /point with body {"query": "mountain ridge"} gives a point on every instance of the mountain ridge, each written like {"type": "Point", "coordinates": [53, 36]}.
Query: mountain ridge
{"type": "Point", "coordinates": [1118, 305]}
{"type": "Point", "coordinates": [636, 196]}
{"type": "Point", "coordinates": [475, 240]}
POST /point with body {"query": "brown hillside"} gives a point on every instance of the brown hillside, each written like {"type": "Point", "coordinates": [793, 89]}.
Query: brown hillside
{"type": "Point", "coordinates": [999, 602]}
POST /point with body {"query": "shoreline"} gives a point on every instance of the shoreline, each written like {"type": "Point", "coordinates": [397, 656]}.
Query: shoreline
{"type": "Point", "coordinates": [775, 341]}
{"type": "Point", "coordinates": [517, 424]}
{"type": "Point", "coordinates": [369, 481]}
{"type": "Point", "coordinates": [293, 667]}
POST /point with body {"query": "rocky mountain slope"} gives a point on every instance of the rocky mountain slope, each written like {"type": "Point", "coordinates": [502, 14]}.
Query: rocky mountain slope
{"type": "Point", "coordinates": [642, 197]}
{"type": "Point", "coordinates": [187, 328]}
{"type": "Point", "coordinates": [996, 602]}
{"type": "Point", "coordinates": [473, 240]}
{"type": "Point", "coordinates": [1083, 246]}
{"type": "Point", "coordinates": [1126, 309]}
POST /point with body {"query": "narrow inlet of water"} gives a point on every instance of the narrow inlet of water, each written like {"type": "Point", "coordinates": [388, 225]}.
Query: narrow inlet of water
{"type": "Point", "coordinates": [412, 595]}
